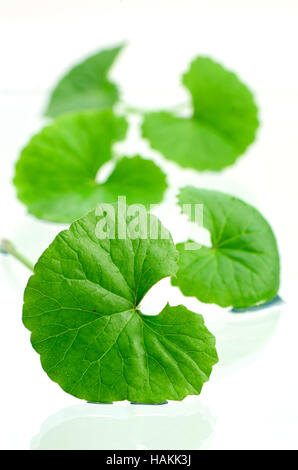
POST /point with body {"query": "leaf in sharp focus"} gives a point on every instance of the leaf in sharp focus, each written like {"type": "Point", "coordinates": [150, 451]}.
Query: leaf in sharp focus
{"type": "Point", "coordinates": [86, 86]}
{"type": "Point", "coordinates": [56, 173]}
{"type": "Point", "coordinates": [223, 124]}
{"type": "Point", "coordinates": [82, 307]}
{"type": "Point", "coordinates": [242, 267]}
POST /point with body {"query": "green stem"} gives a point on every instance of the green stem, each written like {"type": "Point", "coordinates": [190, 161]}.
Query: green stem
{"type": "Point", "coordinates": [7, 247]}
{"type": "Point", "coordinates": [136, 110]}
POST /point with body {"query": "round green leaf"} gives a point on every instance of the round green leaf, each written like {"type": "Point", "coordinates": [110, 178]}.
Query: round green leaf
{"type": "Point", "coordinates": [223, 124]}
{"type": "Point", "coordinates": [82, 307]}
{"type": "Point", "coordinates": [56, 173]}
{"type": "Point", "coordinates": [86, 86]}
{"type": "Point", "coordinates": [241, 268]}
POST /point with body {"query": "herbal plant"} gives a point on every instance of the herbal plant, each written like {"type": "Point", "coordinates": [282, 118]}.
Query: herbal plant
{"type": "Point", "coordinates": [82, 305]}
{"type": "Point", "coordinates": [56, 172]}
{"type": "Point", "coordinates": [241, 267]}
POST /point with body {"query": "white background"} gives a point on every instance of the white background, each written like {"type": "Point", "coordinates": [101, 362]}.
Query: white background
{"type": "Point", "coordinates": [251, 399]}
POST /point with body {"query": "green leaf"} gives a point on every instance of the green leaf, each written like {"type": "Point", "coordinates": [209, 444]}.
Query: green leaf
{"type": "Point", "coordinates": [140, 180]}
{"type": "Point", "coordinates": [241, 268]}
{"type": "Point", "coordinates": [86, 86]}
{"type": "Point", "coordinates": [82, 307]}
{"type": "Point", "coordinates": [56, 173]}
{"type": "Point", "coordinates": [187, 142]}
{"type": "Point", "coordinates": [223, 123]}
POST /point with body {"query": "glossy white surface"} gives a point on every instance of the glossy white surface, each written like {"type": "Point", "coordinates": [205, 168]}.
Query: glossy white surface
{"type": "Point", "coordinates": [251, 400]}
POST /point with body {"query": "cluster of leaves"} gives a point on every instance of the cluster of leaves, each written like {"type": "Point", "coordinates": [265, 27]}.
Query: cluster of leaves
{"type": "Point", "coordinates": [82, 303]}
{"type": "Point", "coordinates": [56, 173]}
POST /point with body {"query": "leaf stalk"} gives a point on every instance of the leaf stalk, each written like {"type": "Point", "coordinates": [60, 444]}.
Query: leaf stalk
{"type": "Point", "coordinates": [8, 248]}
